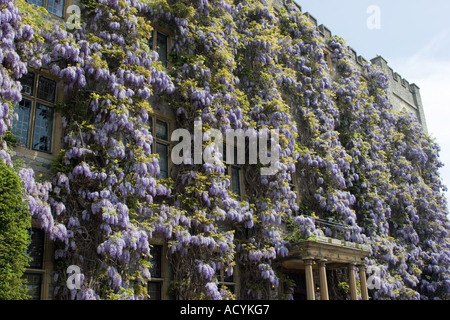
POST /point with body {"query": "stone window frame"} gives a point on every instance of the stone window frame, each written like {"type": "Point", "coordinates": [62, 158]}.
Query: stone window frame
{"type": "Point", "coordinates": [44, 268]}
{"type": "Point", "coordinates": [35, 100]}
{"type": "Point", "coordinates": [154, 118]}
{"type": "Point", "coordinates": [153, 43]}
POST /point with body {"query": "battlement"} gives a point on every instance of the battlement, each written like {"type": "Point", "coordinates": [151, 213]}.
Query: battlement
{"type": "Point", "coordinates": [325, 32]}
{"type": "Point", "coordinates": [381, 62]}
{"type": "Point", "coordinates": [403, 95]}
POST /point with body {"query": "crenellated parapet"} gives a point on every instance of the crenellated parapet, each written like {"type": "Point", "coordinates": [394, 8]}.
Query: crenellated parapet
{"type": "Point", "coordinates": [402, 94]}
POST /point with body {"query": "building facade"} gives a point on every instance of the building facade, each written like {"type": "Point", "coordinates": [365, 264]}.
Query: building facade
{"type": "Point", "coordinates": [39, 132]}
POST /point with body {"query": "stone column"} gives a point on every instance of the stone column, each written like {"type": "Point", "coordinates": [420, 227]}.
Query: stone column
{"type": "Point", "coordinates": [323, 280]}
{"type": "Point", "coordinates": [310, 293]}
{"type": "Point", "coordinates": [363, 280]}
{"type": "Point", "coordinates": [352, 276]}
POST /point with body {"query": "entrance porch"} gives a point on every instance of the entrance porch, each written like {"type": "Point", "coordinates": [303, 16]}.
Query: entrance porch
{"type": "Point", "coordinates": [311, 257]}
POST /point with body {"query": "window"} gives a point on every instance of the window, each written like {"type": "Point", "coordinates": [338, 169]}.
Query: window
{"type": "Point", "coordinates": [236, 180]}
{"type": "Point", "coordinates": [160, 132]}
{"type": "Point", "coordinates": [226, 281]}
{"type": "Point", "coordinates": [293, 185]}
{"type": "Point", "coordinates": [234, 171]}
{"type": "Point", "coordinates": [328, 61]}
{"type": "Point", "coordinates": [154, 290]}
{"type": "Point", "coordinates": [34, 126]}
{"type": "Point", "coordinates": [55, 7]}
{"type": "Point", "coordinates": [154, 287]}
{"type": "Point", "coordinates": [36, 249]}
{"type": "Point", "coordinates": [156, 260]}
{"type": "Point", "coordinates": [34, 284]}
{"type": "Point", "coordinates": [160, 43]}
{"type": "Point", "coordinates": [34, 275]}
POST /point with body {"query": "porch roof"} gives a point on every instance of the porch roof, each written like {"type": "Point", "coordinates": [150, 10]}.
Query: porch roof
{"type": "Point", "coordinates": [336, 253]}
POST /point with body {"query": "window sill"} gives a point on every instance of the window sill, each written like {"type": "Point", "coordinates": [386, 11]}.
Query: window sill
{"type": "Point", "coordinates": [33, 154]}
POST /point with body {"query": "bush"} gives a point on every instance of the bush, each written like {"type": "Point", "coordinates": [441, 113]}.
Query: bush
{"type": "Point", "coordinates": [14, 238]}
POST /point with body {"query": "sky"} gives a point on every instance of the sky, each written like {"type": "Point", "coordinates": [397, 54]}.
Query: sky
{"type": "Point", "coordinates": [414, 37]}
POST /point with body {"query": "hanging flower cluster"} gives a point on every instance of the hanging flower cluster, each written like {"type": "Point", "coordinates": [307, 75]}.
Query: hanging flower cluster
{"type": "Point", "coordinates": [233, 65]}
{"type": "Point", "coordinates": [261, 76]}
{"type": "Point", "coordinates": [110, 170]}
{"type": "Point", "coordinates": [203, 214]}
{"type": "Point", "coordinates": [16, 37]}
{"type": "Point", "coordinates": [389, 152]}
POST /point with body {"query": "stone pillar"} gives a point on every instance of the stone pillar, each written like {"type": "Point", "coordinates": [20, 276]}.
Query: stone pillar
{"type": "Point", "coordinates": [323, 280]}
{"type": "Point", "coordinates": [352, 276]}
{"type": "Point", "coordinates": [310, 292]}
{"type": "Point", "coordinates": [363, 280]}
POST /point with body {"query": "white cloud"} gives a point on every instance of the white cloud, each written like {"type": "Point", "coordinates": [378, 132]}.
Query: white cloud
{"type": "Point", "coordinates": [438, 44]}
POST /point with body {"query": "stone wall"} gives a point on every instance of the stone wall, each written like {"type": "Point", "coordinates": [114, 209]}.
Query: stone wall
{"type": "Point", "coordinates": [402, 95]}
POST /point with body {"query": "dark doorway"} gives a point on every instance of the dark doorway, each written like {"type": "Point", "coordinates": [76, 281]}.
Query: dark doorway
{"type": "Point", "coordinates": [298, 277]}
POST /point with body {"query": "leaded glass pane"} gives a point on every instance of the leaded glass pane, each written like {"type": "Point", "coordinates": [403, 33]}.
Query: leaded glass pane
{"type": "Point", "coordinates": [227, 278]}
{"type": "Point", "coordinates": [163, 151]}
{"type": "Point", "coordinates": [235, 181]}
{"type": "Point", "coordinates": [21, 126]}
{"type": "Point", "coordinates": [37, 2]}
{"type": "Point", "coordinates": [155, 260]}
{"type": "Point", "coordinates": [150, 42]}
{"type": "Point", "coordinates": [27, 82]}
{"type": "Point", "coordinates": [43, 127]}
{"type": "Point", "coordinates": [162, 130]}
{"type": "Point", "coordinates": [150, 129]}
{"type": "Point", "coordinates": [162, 45]}
{"type": "Point", "coordinates": [34, 284]}
{"type": "Point", "coordinates": [150, 124]}
{"type": "Point", "coordinates": [56, 7]}
{"type": "Point", "coordinates": [46, 89]}
{"type": "Point", "coordinates": [154, 290]}
{"type": "Point", "coordinates": [36, 249]}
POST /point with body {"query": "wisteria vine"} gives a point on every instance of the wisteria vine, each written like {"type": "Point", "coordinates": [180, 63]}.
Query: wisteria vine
{"type": "Point", "coordinates": [233, 65]}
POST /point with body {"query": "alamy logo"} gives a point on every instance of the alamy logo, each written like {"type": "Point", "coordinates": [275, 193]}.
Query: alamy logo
{"type": "Point", "coordinates": [74, 279]}
{"type": "Point", "coordinates": [374, 280]}
{"type": "Point", "coordinates": [74, 19]}
{"type": "Point", "coordinates": [374, 20]}
{"type": "Point", "coordinates": [257, 142]}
